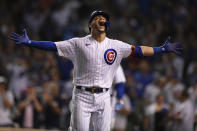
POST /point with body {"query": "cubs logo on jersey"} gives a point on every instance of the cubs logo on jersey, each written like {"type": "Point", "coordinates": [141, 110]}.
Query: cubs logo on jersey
{"type": "Point", "coordinates": [110, 56]}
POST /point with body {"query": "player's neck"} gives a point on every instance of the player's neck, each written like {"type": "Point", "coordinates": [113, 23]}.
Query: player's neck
{"type": "Point", "coordinates": [98, 36]}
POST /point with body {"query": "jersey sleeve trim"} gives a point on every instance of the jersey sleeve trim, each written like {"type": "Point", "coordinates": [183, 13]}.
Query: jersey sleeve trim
{"type": "Point", "coordinates": [133, 49]}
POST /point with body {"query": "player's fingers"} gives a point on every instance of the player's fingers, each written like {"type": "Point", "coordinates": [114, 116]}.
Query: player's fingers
{"type": "Point", "coordinates": [15, 34]}
{"type": "Point", "coordinates": [18, 43]}
{"type": "Point", "coordinates": [178, 44]}
{"type": "Point", "coordinates": [169, 38]}
{"type": "Point", "coordinates": [24, 32]}
{"type": "Point", "coordinates": [14, 39]}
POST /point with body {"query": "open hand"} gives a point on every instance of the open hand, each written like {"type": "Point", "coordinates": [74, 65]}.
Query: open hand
{"type": "Point", "coordinates": [20, 39]}
{"type": "Point", "coordinates": [172, 47]}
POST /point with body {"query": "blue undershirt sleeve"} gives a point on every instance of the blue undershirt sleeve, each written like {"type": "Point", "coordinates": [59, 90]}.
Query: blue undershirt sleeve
{"type": "Point", "coordinates": [138, 52]}
{"type": "Point", "coordinates": [120, 88]}
{"type": "Point", "coordinates": [158, 50]}
{"type": "Point", "coordinates": [43, 45]}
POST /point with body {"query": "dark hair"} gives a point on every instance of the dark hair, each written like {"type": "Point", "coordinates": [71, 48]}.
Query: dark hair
{"type": "Point", "coordinates": [96, 13]}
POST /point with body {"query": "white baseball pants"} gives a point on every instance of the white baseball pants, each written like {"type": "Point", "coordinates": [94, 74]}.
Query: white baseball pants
{"type": "Point", "coordinates": [86, 105]}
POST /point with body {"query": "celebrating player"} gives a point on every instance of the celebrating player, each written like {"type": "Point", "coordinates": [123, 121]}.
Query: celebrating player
{"type": "Point", "coordinates": [96, 59]}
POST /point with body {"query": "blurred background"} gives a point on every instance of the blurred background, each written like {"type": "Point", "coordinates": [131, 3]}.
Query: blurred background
{"type": "Point", "coordinates": [36, 86]}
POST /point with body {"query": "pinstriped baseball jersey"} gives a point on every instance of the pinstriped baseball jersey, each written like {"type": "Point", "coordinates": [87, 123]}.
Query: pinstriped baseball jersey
{"type": "Point", "coordinates": [95, 63]}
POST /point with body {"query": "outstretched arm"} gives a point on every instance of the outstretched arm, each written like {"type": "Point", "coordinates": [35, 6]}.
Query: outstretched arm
{"type": "Point", "coordinates": [24, 39]}
{"type": "Point", "coordinates": [141, 51]}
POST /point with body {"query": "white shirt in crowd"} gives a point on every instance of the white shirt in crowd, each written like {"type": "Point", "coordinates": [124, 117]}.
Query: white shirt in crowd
{"type": "Point", "coordinates": [5, 112]}
{"type": "Point", "coordinates": [151, 92]}
{"type": "Point", "coordinates": [150, 112]}
{"type": "Point", "coordinates": [186, 112]}
{"type": "Point", "coordinates": [170, 90]}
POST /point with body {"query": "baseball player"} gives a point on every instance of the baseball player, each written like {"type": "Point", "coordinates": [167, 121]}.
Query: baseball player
{"type": "Point", "coordinates": [96, 59]}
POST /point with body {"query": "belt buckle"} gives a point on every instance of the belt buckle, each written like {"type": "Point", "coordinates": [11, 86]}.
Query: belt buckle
{"type": "Point", "coordinates": [93, 90]}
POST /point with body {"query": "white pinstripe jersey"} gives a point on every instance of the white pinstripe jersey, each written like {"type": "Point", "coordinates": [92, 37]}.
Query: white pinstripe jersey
{"type": "Point", "coordinates": [95, 63]}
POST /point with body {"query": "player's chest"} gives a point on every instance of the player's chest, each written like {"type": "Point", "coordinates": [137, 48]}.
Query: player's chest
{"type": "Point", "coordinates": [100, 52]}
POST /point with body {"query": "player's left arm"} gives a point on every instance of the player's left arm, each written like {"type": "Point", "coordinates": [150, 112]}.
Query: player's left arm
{"type": "Point", "coordinates": [168, 47]}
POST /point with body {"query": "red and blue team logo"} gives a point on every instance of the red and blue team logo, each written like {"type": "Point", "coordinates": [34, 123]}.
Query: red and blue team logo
{"type": "Point", "coordinates": [110, 56]}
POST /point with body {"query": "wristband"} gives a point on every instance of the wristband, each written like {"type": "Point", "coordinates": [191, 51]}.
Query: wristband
{"type": "Point", "coordinates": [159, 50]}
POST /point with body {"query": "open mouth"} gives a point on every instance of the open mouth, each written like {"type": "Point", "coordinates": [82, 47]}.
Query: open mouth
{"type": "Point", "coordinates": [102, 23]}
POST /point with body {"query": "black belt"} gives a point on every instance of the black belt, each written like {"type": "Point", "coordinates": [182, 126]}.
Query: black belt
{"type": "Point", "coordinates": [93, 89]}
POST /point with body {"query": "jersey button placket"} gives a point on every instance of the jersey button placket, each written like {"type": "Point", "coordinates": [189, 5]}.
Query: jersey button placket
{"type": "Point", "coordinates": [97, 62]}
{"type": "Point", "coordinates": [101, 61]}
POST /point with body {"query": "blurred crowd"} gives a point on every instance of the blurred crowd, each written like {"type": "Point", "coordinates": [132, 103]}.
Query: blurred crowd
{"type": "Point", "coordinates": [36, 86]}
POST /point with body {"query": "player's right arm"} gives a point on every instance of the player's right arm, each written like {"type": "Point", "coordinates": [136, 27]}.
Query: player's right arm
{"type": "Point", "coordinates": [24, 40]}
{"type": "Point", "coordinates": [167, 47]}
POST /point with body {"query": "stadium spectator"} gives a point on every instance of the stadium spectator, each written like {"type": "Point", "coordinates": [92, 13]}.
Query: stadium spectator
{"type": "Point", "coordinates": [6, 104]}
{"type": "Point", "coordinates": [51, 105]}
{"type": "Point", "coordinates": [155, 88]}
{"type": "Point", "coordinates": [30, 108]}
{"type": "Point", "coordinates": [173, 89]}
{"type": "Point", "coordinates": [136, 118]}
{"type": "Point", "coordinates": [192, 91]}
{"type": "Point", "coordinates": [156, 115]}
{"type": "Point", "coordinates": [143, 77]}
{"type": "Point", "coordinates": [183, 115]}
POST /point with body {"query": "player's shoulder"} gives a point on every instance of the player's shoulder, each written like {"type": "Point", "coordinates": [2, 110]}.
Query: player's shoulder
{"type": "Point", "coordinates": [85, 38]}
{"type": "Point", "coordinates": [77, 40]}
{"type": "Point", "coordinates": [80, 41]}
{"type": "Point", "coordinates": [118, 43]}
{"type": "Point", "coordinates": [115, 41]}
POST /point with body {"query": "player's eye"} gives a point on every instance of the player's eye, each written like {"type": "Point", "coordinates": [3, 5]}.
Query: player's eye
{"type": "Point", "coordinates": [103, 18]}
{"type": "Point", "coordinates": [96, 18]}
